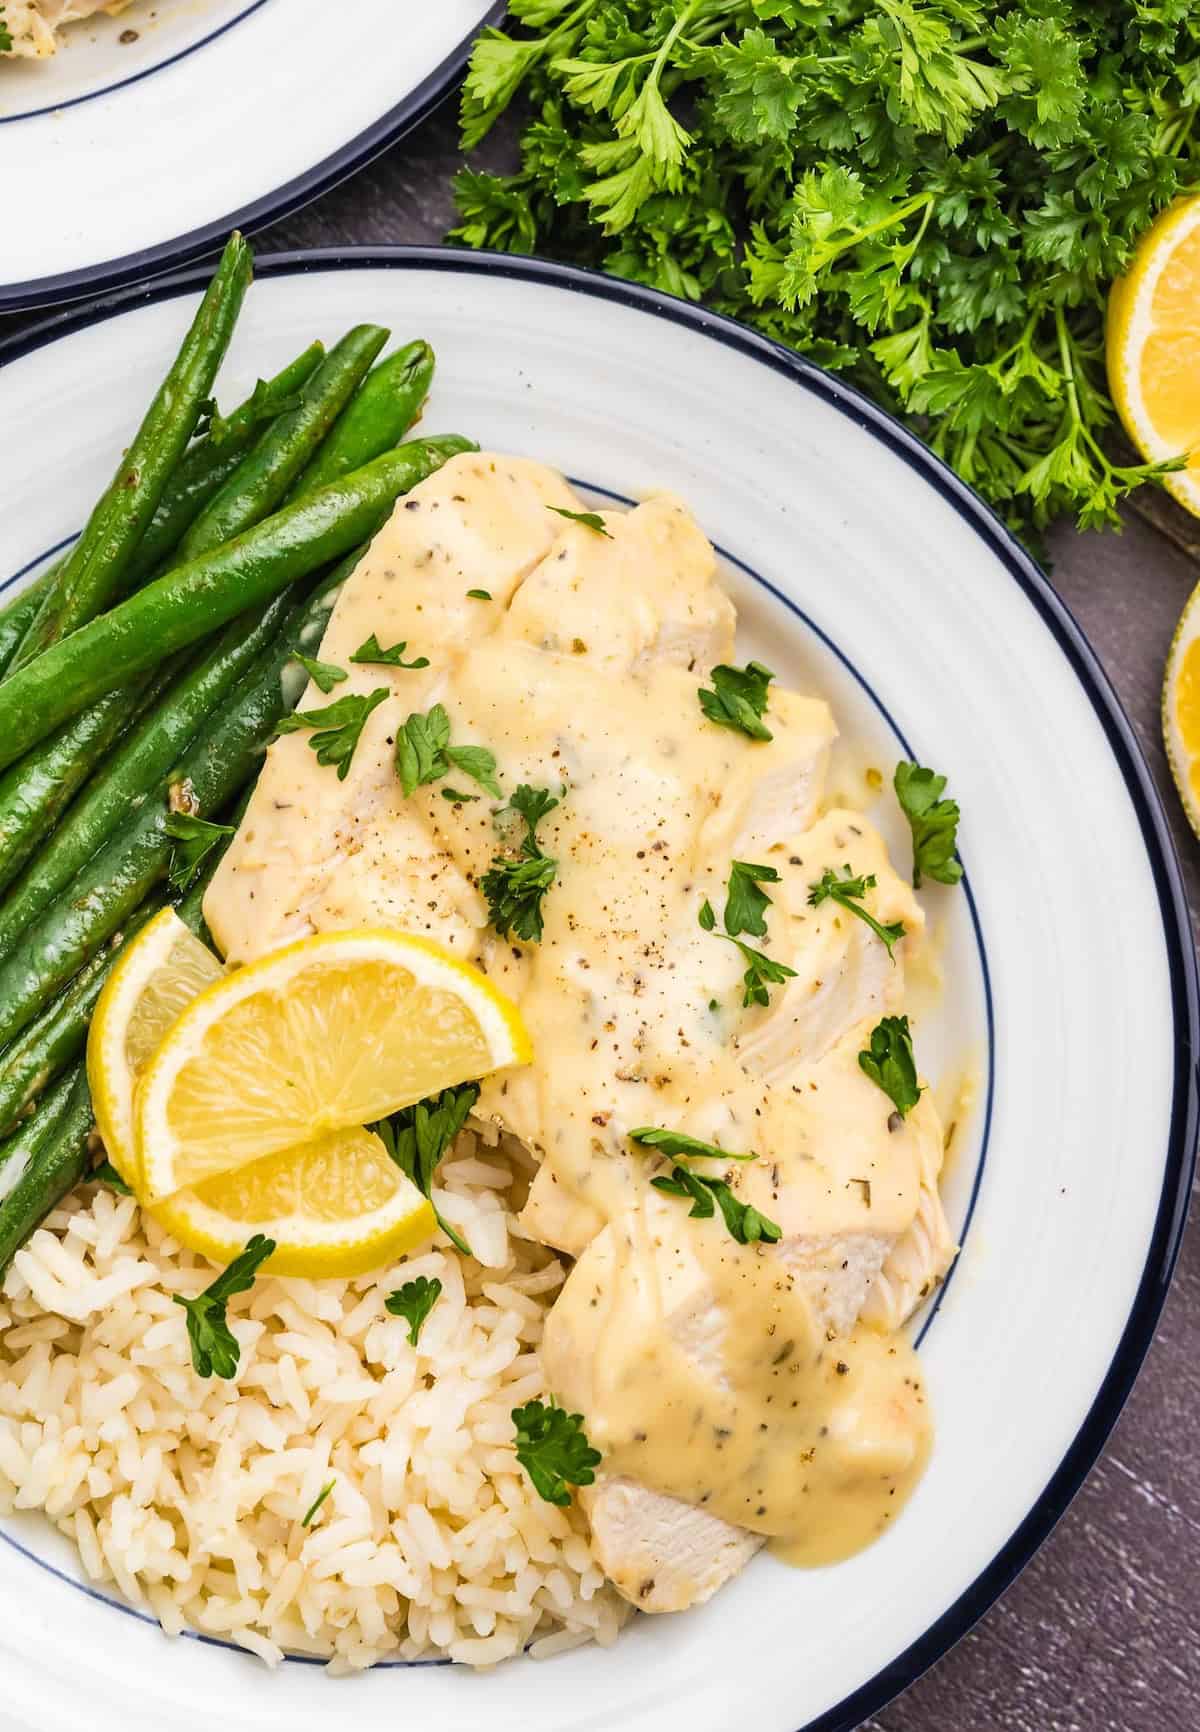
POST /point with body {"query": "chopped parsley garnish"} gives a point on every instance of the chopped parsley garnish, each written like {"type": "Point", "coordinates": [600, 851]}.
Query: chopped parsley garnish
{"type": "Point", "coordinates": [848, 893]}
{"type": "Point", "coordinates": [374, 655]}
{"type": "Point", "coordinates": [889, 1062]}
{"type": "Point", "coordinates": [683, 1148]}
{"type": "Point", "coordinates": [514, 888]}
{"type": "Point", "coordinates": [316, 1504]}
{"type": "Point", "coordinates": [414, 1301]}
{"type": "Point", "coordinates": [262, 405]}
{"type": "Point", "coordinates": [480, 594]}
{"type": "Point", "coordinates": [324, 675]}
{"type": "Point", "coordinates": [457, 795]}
{"type": "Point", "coordinates": [745, 908]}
{"type": "Point", "coordinates": [746, 904]}
{"type": "Point", "coordinates": [589, 519]}
{"type": "Point", "coordinates": [933, 821]}
{"type": "Point", "coordinates": [553, 1449]}
{"type": "Point", "coordinates": [424, 754]}
{"type": "Point", "coordinates": [215, 1351]}
{"type": "Point", "coordinates": [742, 1220]}
{"type": "Point", "coordinates": [338, 726]}
{"type": "Point", "coordinates": [107, 1174]}
{"type": "Point", "coordinates": [6, 40]}
{"type": "Point", "coordinates": [418, 1136]}
{"type": "Point", "coordinates": [738, 699]}
{"type": "Point", "coordinates": [195, 839]}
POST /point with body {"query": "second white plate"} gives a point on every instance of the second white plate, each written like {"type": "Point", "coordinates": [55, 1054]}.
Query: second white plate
{"type": "Point", "coordinates": [150, 135]}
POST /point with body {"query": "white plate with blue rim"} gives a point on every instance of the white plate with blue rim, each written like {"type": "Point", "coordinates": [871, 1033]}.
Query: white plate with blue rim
{"type": "Point", "coordinates": [149, 135]}
{"type": "Point", "coordinates": [863, 570]}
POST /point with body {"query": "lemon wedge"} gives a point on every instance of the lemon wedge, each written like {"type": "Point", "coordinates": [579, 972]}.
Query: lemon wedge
{"type": "Point", "coordinates": [1153, 345]}
{"type": "Point", "coordinates": [336, 1206]}
{"type": "Point", "coordinates": [329, 1034]}
{"type": "Point", "coordinates": [159, 974]}
{"type": "Point", "coordinates": [1181, 708]}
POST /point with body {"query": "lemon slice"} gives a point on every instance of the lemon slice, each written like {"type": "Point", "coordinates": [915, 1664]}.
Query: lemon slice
{"type": "Point", "coordinates": [330, 1033]}
{"type": "Point", "coordinates": [1154, 345]}
{"type": "Point", "coordinates": [1181, 708]}
{"type": "Point", "coordinates": [159, 974]}
{"type": "Point", "coordinates": [337, 1206]}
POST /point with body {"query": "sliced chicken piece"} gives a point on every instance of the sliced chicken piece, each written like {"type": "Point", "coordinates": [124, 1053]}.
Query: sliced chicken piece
{"type": "Point", "coordinates": [316, 853]}
{"type": "Point", "coordinates": [661, 1554]}
{"type": "Point", "coordinates": [643, 592]}
{"type": "Point", "coordinates": [920, 1257]}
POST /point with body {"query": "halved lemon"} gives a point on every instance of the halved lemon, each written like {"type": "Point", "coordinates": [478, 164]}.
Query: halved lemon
{"type": "Point", "coordinates": [336, 1206]}
{"type": "Point", "coordinates": [162, 971]}
{"type": "Point", "coordinates": [1153, 345]}
{"type": "Point", "coordinates": [328, 1034]}
{"type": "Point", "coordinates": [1181, 708]}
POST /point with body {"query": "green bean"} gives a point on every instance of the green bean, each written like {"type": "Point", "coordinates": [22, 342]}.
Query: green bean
{"type": "Point", "coordinates": [58, 1036]}
{"type": "Point", "coordinates": [377, 417]}
{"type": "Point", "coordinates": [117, 879]}
{"type": "Point", "coordinates": [38, 787]}
{"type": "Point", "coordinates": [264, 478]}
{"type": "Point", "coordinates": [142, 759]}
{"type": "Point", "coordinates": [97, 563]}
{"type": "Point", "coordinates": [17, 615]}
{"type": "Point", "coordinates": [193, 600]}
{"type": "Point", "coordinates": [46, 1158]}
{"type": "Point", "coordinates": [207, 466]}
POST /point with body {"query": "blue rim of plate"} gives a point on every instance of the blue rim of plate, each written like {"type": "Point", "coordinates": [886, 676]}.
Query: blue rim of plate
{"type": "Point", "coordinates": [134, 77]}
{"type": "Point", "coordinates": [133, 268]}
{"type": "Point", "coordinates": [1180, 1165]}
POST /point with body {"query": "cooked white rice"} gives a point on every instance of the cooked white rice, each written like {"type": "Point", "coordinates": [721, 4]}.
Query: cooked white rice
{"type": "Point", "coordinates": [189, 1494]}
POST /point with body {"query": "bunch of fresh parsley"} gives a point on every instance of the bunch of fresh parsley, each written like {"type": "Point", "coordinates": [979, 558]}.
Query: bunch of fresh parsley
{"type": "Point", "coordinates": [930, 196]}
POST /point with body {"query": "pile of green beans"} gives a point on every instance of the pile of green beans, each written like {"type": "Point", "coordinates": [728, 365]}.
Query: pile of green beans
{"type": "Point", "coordinates": [155, 653]}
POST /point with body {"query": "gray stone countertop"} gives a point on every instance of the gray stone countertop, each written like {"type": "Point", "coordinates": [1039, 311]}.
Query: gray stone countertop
{"type": "Point", "coordinates": [1101, 1633]}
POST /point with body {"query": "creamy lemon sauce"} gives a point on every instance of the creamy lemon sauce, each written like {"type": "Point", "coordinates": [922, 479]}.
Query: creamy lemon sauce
{"type": "Point", "coordinates": [729, 1377]}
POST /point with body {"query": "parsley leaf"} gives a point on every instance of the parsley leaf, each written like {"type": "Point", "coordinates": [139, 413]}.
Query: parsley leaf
{"type": "Point", "coordinates": [311, 1514]}
{"type": "Point", "coordinates": [6, 40]}
{"type": "Point", "coordinates": [424, 754]}
{"type": "Point", "coordinates": [375, 655]}
{"type": "Point", "coordinates": [931, 196]}
{"type": "Point", "coordinates": [324, 675]}
{"type": "Point", "coordinates": [457, 796]}
{"type": "Point", "coordinates": [590, 519]}
{"type": "Point", "coordinates": [742, 1220]}
{"type": "Point", "coordinates": [215, 1351]}
{"type": "Point", "coordinates": [746, 903]}
{"type": "Point", "coordinates": [848, 892]}
{"type": "Point", "coordinates": [933, 820]}
{"type": "Point", "coordinates": [195, 840]}
{"type": "Point", "coordinates": [479, 594]}
{"type": "Point", "coordinates": [683, 1148]}
{"type": "Point", "coordinates": [339, 726]}
{"type": "Point", "coordinates": [745, 907]}
{"type": "Point", "coordinates": [514, 888]}
{"type": "Point", "coordinates": [738, 699]}
{"type": "Point", "coordinates": [418, 1136]}
{"type": "Point", "coordinates": [889, 1062]}
{"type": "Point", "coordinates": [107, 1174]}
{"type": "Point", "coordinates": [553, 1449]}
{"type": "Point", "coordinates": [762, 971]}
{"type": "Point", "coordinates": [414, 1301]}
